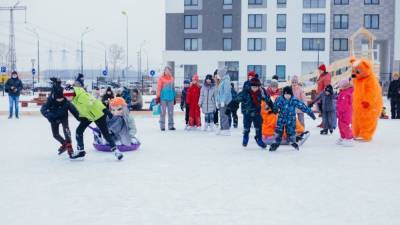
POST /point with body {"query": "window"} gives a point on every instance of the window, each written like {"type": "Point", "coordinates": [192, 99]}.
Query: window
{"type": "Point", "coordinates": [340, 44]}
{"type": "Point", "coordinates": [281, 44]}
{"type": "Point", "coordinates": [191, 2]}
{"type": "Point", "coordinates": [191, 22]}
{"type": "Point", "coordinates": [280, 71]}
{"type": "Point", "coordinates": [189, 71]}
{"type": "Point", "coordinates": [281, 22]}
{"type": "Point", "coordinates": [341, 21]}
{"type": "Point", "coordinates": [255, 2]}
{"type": "Point", "coordinates": [314, 3]}
{"type": "Point", "coordinates": [281, 3]}
{"type": "Point", "coordinates": [191, 44]}
{"type": "Point", "coordinates": [254, 44]}
{"type": "Point", "coordinates": [371, 21]}
{"type": "Point", "coordinates": [313, 44]}
{"type": "Point", "coordinates": [258, 69]}
{"type": "Point", "coordinates": [232, 68]}
{"type": "Point", "coordinates": [371, 2]}
{"type": "Point", "coordinates": [227, 44]}
{"type": "Point", "coordinates": [227, 21]}
{"type": "Point", "coordinates": [313, 23]}
{"type": "Point", "coordinates": [341, 2]}
{"type": "Point", "coordinates": [255, 21]}
{"type": "Point", "coordinates": [227, 2]}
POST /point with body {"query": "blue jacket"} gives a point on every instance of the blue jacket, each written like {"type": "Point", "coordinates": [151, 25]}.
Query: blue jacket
{"type": "Point", "coordinates": [16, 83]}
{"type": "Point", "coordinates": [126, 95]}
{"type": "Point", "coordinates": [224, 94]}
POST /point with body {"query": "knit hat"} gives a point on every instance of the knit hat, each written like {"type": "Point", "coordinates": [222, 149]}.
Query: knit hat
{"type": "Point", "coordinates": [195, 78]}
{"type": "Point", "coordinates": [287, 90]}
{"type": "Point", "coordinates": [209, 77]}
{"type": "Point", "coordinates": [69, 91]}
{"type": "Point", "coordinates": [251, 74]}
{"type": "Point", "coordinates": [255, 82]}
{"type": "Point", "coordinates": [274, 83]}
{"type": "Point", "coordinates": [295, 78]}
{"type": "Point", "coordinates": [186, 81]}
{"type": "Point", "coordinates": [322, 67]}
{"type": "Point", "coordinates": [343, 83]}
{"type": "Point", "coordinates": [329, 89]}
{"type": "Point", "coordinates": [118, 101]}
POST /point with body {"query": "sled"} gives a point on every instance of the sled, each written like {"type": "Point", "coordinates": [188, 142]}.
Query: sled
{"type": "Point", "coordinates": [101, 145]}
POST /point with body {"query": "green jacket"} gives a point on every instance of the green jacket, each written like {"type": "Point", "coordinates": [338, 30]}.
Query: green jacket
{"type": "Point", "coordinates": [87, 105]}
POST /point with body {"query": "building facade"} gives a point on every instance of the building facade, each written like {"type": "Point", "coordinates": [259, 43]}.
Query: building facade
{"type": "Point", "coordinates": [271, 37]}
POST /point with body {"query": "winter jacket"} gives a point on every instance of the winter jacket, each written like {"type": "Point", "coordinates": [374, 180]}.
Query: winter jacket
{"type": "Point", "coordinates": [207, 98]}
{"type": "Point", "coordinates": [14, 83]}
{"type": "Point", "coordinates": [126, 95]}
{"type": "Point", "coordinates": [234, 106]}
{"type": "Point", "coordinates": [394, 90]}
{"type": "Point", "coordinates": [249, 107]}
{"type": "Point", "coordinates": [123, 128]}
{"type": "Point", "coordinates": [183, 97]}
{"type": "Point", "coordinates": [54, 110]}
{"type": "Point", "coordinates": [323, 81]}
{"type": "Point", "coordinates": [300, 95]}
{"type": "Point", "coordinates": [87, 105]}
{"type": "Point", "coordinates": [328, 102]}
{"type": "Point", "coordinates": [224, 95]}
{"type": "Point", "coordinates": [107, 97]}
{"type": "Point", "coordinates": [193, 96]}
{"type": "Point", "coordinates": [287, 109]}
{"type": "Point", "coordinates": [165, 88]}
{"type": "Point", "coordinates": [344, 104]}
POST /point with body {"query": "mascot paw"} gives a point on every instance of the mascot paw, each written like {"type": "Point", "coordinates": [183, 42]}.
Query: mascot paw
{"type": "Point", "coordinates": [365, 104]}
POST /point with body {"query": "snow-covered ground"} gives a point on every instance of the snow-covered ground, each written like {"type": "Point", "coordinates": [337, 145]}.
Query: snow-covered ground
{"type": "Point", "coordinates": [189, 178]}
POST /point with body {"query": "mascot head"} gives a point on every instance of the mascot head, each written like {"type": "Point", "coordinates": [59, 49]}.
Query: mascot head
{"type": "Point", "coordinates": [117, 106]}
{"type": "Point", "coordinates": [361, 68]}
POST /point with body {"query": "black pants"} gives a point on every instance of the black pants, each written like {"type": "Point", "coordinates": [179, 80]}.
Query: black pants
{"type": "Point", "coordinates": [233, 117]}
{"type": "Point", "coordinates": [187, 114]}
{"type": "Point", "coordinates": [256, 120]}
{"type": "Point", "coordinates": [101, 124]}
{"type": "Point", "coordinates": [395, 108]}
{"type": "Point", "coordinates": [216, 113]}
{"type": "Point", "coordinates": [56, 133]}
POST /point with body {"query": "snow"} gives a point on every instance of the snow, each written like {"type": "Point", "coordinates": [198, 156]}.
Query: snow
{"type": "Point", "coordinates": [189, 178]}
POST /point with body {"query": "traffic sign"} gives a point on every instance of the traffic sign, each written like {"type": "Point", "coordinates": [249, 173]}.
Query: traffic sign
{"type": "Point", "coordinates": [3, 69]}
{"type": "Point", "coordinates": [33, 71]}
{"type": "Point", "coordinates": [105, 72]}
{"type": "Point", "coordinates": [152, 73]}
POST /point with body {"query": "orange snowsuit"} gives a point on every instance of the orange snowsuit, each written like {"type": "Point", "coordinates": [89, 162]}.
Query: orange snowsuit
{"type": "Point", "coordinates": [269, 123]}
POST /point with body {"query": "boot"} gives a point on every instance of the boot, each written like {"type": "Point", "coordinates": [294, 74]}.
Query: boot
{"type": "Point", "coordinates": [274, 147]}
{"type": "Point", "coordinates": [69, 149]}
{"type": "Point", "coordinates": [331, 131]}
{"type": "Point", "coordinates": [260, 142]}
{"type": "Point", "coordinates": [295, 146]}
{"type": "Point", "coordinates": [80, 153]}
{"type": "Point", "coordinates": [206, 125]}
{"type": "Point", "coordinates": [245, 140]}
{"type": "Point", "coordinates": [62, 149]}
{"type": "Point", "coordinates": [117, 153]}
{"type": "Point", "coordinates": [324, 132]}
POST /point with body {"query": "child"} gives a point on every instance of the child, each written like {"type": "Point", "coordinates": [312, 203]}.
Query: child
{"type": "Point", "coordinates": [287, 105]}
{"type": "Point", "coordinates": [223, 98]}
{"type": "Point", "coordinates": [192, 99]}
{"type": "Point", "coordinates": [90, 110]}
{"type": "Point", "coordinates": [251, 109]}
{"type": "Point", "coordinates": [122, 124]}
{"type": "Point", "coordinates": [184, 105]}
{"type": "Point", "coordinates": [299, 94]}
{"type": "Point", "coordinates": [344, 113]}
{"type": "Point", "coordinates": [328, 101]}
{"type": "Point", "coordinates": [107, 97]}
{"type": "Point", "coordinates": [232, 112]}
{"type": "Point", "coordinates": [56, 111]}
{"type": "Point", "coordinates": [394, 96]}
{"type": "Point", "coordinates": [207, 102]}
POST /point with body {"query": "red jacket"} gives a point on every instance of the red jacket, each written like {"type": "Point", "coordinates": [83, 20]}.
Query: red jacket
{"type": "Point", "coordinates": [323, 81]}
{"type": "Point", "coordinates": [193, 96]}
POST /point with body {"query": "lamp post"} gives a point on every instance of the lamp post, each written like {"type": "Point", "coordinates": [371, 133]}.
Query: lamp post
{"type": "Point", "coordinates": [140, 63]}
{"type": "Point", "coordinates": [34, 31]}
{"type": "Point", "coordinates": [87, 30]}
{"type": "Point", "coordinates": [127, 40]}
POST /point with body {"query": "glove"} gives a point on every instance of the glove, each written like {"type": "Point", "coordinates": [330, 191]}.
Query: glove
{"type": "Point", "coordinates": [158, 100]}
{"type": "Point", "coordinates": [365, 105]}
{"type": "Point", "coordinates": [313, 116]}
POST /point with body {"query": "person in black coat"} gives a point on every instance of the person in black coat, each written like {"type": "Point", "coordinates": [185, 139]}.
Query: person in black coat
{"type": "Point", "coordinates": [13, 87]}
{"type": "Point", "coordinates": [56, 112]}
{"type": "Point", "coordinates": [107, 97]}
{"type": "Point", "coordinates": [232, 111]}
{"type": "Point", "coordinates": [184, 105]}
{"type": "Point", "coordinates": [394, 96]}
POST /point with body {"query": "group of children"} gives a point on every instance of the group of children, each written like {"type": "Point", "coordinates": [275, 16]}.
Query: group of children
{"type": "Point", "coordinates": [267, 109]}
{"type": "Point", "coordinates": [115, 125]}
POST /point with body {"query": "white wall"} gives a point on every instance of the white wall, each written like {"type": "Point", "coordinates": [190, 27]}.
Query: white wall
{"type": "Point", "coordinates": [174, 6]}
{"type": "Point", "coordinates": [397, 31]}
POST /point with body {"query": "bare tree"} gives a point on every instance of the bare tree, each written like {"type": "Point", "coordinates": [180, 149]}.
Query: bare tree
{"type": "Point", "coordinates": [116, 56]}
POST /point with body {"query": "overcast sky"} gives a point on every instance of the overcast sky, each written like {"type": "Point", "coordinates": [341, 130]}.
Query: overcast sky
{"type": "Point", "coordinates": [61, 22]}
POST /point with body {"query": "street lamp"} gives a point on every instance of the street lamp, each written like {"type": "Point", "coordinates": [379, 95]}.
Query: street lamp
{"type": "Point", "coordinates": [127, 40]}
{"type": "Point", "coordinates": [34, 31]}
{"type": "Point", "coordinates": [87, 30]}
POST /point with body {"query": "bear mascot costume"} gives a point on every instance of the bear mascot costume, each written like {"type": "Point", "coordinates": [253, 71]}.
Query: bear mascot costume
{"type": "Point", "coordinates": [367, 99]}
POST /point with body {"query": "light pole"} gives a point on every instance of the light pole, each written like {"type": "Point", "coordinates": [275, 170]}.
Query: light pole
{"type": "Point", "coordinates": [127, 40]}
{"type": "Point", "coordinates": [33, 30]}
{"type": "Point", "coordinates": [87, 30]}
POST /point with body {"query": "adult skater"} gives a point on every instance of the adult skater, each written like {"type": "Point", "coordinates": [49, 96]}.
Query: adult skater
{"type": "Point", "coordinates": [166, 98]}
{"type": "Point", "coordinates": [13, 87]}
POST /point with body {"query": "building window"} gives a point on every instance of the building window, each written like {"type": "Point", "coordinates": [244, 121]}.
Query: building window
{"type": "Point", "coordinates": [228, 21]}
{"type": "Point", "coordinates": [227, 2]}
{"type": "Point", "coordinates": [191, 2]}
{"type": "Point", "coordinates": [313, 23]}
{"type": "Point", "coordinates": [280, 71]}
{"type": "Point", "coordinates": [340, 44]}
{"type": "Point", "coordinates": [232, 68]}
{"type": "Point", "coordinates": [371, 21]}
{"type": "Point", "coordinates": [227, 44]}
{"type": "Point", "coordinates": [258, 69]}
{"type": "Point", "coordinates": [281, 44]}
{"type": "Point", "coordinates": [314, 4]}
{"type": "Point", "coordinates": [281, 22]}
{"type": "Point", "coordinates": [255, 2]}
{"type": "Point", "coordinates": [313, 44]}
{"type": "Point", "coordinates": [281, 3]}
{"type": "Point", "coordinates": [341, 2]}
{"type": "Point", "coordinates": [191, 22]}
{"type": "Point", "coordinates": [341, 21]}
{"type": "Point", "coordinates": [371, 2]}
{"type": "Point", "coordinates": [191, 44]}
{"type": "Point", "coordinates": [254, 44]}
{"type": "Point", "coordinates": [255, 21]}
